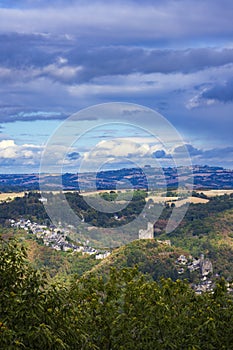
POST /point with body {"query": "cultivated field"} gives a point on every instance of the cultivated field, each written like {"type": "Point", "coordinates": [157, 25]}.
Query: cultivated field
{"type": "Point", "coordinates": [213, 193]}
{"type": "Point", "coordinates": [178, 202]}
{"type": "Point", "coordinates": [10, 195]}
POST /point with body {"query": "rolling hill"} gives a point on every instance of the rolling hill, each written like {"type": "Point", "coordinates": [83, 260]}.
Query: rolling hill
{"type": "Point", "coordinates": [206, 229]}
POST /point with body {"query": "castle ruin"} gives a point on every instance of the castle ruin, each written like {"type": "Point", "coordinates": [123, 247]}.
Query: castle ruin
{"type": "Point", "coordinates": [148, 233]}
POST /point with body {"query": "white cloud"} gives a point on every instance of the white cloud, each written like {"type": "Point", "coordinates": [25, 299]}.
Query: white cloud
{"type": "Point", "coordinates": [199, 101]}
{"type": "Point", "coordinates": [8, 149]}
{"type": "Point", "coordinates": [61, 72]}
{"type": "Point", "coordinates": [122, 148]}
{"type": "Point", "coordinates": [20, 154]}
{"type": "Point", "coordinates": [5, 73]}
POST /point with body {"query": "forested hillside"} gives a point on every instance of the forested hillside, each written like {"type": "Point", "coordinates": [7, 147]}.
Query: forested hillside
{"type": "Point", "coordinates": [206, 229]}
{"type": "Point", "coordinates": [124, 311]}
{"type": "Point", "coordinates": [30, 207]}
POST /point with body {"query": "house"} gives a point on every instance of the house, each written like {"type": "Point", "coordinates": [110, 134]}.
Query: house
{"type": "Point", "coordinates": [102, 255]}
{"type": "Point", "coordinates": [43, 200]}
{"type": "Point", "coordinates": [78, 249]}
{"type": "Point", "coordinates": [182, 260]}
{"type": "Point", "coordinates": [89, 251]}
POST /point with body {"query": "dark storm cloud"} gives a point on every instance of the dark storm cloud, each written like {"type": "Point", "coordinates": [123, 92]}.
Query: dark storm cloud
{"type": "Point", "coordinates": [71, 56]}
{"type": "Point", "coordinates": [205, 156]}
{"type": "Point", "coordinates": [122, 60]}
{"type": "Point", "coordinates": [218, 153]}
{"type": "Point", "coordinates": [65, 61]}
{"type": "Point", "coordinates": [202, 156]}
{"type": "Point", "coordinates": [30, 50]}
{"type": "Point", "coordinates": [122, 20]}
{"type": "Point", "coordinates": [220, 92]}
{"type": "Point", "coordinates": [73, 156]}
{"type": "Point", "coordinates": [191, 150]}
{"type": "Point", "coordinates": [62, 55]}
{"type": "Point", "coordinates": [22, 51]}
{"type": "Point", "coordinates": [159, 154]}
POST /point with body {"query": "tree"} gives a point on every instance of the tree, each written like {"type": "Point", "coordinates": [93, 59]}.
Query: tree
{"type": "Point", "coordinates": [33, 315]}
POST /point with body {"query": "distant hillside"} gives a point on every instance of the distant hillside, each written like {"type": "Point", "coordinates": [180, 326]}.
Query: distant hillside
{"type": "Point", "coordinates": [212, 236]}
{"type": "Point", "coordinates": [206, 229]}
{"type": "Point", "coordinates": [203, 177]}
{"type": "Point", "coordinates": [30, 207]}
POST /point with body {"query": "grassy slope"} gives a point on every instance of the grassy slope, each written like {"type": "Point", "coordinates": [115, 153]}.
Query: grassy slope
{"type": "Point", "coordinates": [57, 263]}
{"type": "Point", "coordinates": [151, 258]}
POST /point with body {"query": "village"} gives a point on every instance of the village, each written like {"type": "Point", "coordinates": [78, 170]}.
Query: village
{"type": "Point", "coordinates": [203, 266]}
{"type": "Point", "coordinates": [57, 238]}
{"type": "Point", "coordinates": [187, 263]}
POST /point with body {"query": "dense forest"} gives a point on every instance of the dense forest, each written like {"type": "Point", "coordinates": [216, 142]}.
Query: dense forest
{"type": "Point", "coordinates": [125, 310]}
{"type": "Point", "coordinates": [30, 207]}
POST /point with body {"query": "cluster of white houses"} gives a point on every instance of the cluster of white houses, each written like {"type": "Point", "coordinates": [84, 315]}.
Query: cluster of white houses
{"type": "Point", "coordinates": [203, 265]}
{"type": "Point", "coordinates": [56, 238]}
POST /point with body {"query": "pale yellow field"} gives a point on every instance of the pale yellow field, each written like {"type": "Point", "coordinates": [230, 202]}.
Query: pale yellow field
{"type": "Point", "coordinates": [178, 203]}
{"type": "Point", "coordinates": [161, 199]}
{"type": "Point", "coordinates": [193, 200]}
{"type": "Point", "coordinates": [198, 200]}
{"type": "Point", "coordinates": [10, 195]}
{"type": "Point", "coordinates": [213, 193]}
{"type": "Point", "coordinates": [99, 191]}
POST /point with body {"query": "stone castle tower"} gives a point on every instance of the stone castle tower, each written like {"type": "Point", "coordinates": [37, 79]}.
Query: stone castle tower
{"type": "Point", "coordinates": [206, 266]}
{"type": "Point", "coordinates": [148, 233]}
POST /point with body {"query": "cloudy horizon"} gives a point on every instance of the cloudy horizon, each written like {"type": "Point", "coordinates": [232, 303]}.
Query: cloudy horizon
{"type": "Point", "coordinates": [58, 57]}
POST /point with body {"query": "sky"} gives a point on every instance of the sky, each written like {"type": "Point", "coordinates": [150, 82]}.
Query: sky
{"type": "Point", "coordinates": [59, 57]}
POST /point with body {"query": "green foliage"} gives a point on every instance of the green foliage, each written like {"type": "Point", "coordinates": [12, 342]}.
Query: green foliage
{"type": "Point", "coordinates": [206, 228]}
{"type": "Point", "coordinates": [32, 314]}
{"type": "Point", "coordinates": [125, 311]}
{"type": "Point", "coordinates": [109, 196]}
{"type": "Point", "coordinates": [31, 208]}
{"type": "Point", "coordinates": [102, 219]}
{"type": "Point", "coordinates": [28, 206]}
{"type": "Point", "coordinates": [151, 258]}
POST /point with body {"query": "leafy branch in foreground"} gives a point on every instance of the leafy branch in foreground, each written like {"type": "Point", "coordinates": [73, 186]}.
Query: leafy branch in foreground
{"type": "Point", "coordinates": [33, 314]}
{"type": "Point", "coordinates": [126, 310]}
